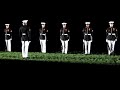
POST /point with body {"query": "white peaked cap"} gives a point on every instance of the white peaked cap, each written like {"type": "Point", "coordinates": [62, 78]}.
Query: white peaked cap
{"type": "Point", "coordinates": [7, 24]}
{"type": "Point", "coordinates": [25, 21]}
{"type": "Point", "coordinates": [111, 21]}
{"type": "Point", "coordinates": [43, 23]}
{"type": "Point", "coordinates": [87, 22]}
{"type": "Point", "coordinates": [64, 23]}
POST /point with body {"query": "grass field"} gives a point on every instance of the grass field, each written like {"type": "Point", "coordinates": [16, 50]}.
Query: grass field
{"type": "Point", "coordinates": [67, 58]}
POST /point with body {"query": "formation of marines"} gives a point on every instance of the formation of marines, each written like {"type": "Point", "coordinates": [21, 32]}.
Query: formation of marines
{"type": "Point", "coordinates": [25, 34]}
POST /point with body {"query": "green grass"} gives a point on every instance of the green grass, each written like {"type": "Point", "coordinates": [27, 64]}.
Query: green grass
{"type": "Point", "coordinates": [69, 58]}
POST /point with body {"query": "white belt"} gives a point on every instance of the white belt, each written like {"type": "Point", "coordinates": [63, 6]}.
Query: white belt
{"type": "Point", "coordinates": [7, 34]}
{"type": "Point", "coordinates": [111, 33]}
{"type": "Point", "coordinates": [87, 34]}
{"type": "Point", "coordinates": [23, 33]}
{"type": "Point", "coordinates": [42, 34]}
{"type": "Point", "coordinates": [64, 34]}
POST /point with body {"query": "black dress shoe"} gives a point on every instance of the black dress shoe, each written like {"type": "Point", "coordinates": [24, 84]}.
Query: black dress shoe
{"type": "Point", "coordinates": [27, 58]}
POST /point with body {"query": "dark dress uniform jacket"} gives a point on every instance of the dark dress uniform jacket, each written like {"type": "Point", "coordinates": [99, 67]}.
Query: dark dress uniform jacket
{"type": "Point", "coordinates": [111, 34]}
{"type": "Point", "coordinates": [88, 32]}
{"type": "Point", "coordinates": [8, 33]}
{"type": "Point", "coordinates": [42, 33]}
{"type": "Point", "coordinates": [25, 33]}
{"type": "Point", "coordinates": [64, 34]}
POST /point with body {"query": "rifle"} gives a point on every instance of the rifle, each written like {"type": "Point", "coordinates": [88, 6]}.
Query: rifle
{"type": "Point", "coordinates": [6, 41]}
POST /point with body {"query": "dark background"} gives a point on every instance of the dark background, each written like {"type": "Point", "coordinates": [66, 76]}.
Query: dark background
{"type": "Point", "coordinates": [75, 13]}
{"type": "Point", "coordinates": [54, 13]}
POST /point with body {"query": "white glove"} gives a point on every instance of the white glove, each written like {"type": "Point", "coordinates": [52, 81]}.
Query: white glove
{"type": "Point", "coordinates": [115, 39]}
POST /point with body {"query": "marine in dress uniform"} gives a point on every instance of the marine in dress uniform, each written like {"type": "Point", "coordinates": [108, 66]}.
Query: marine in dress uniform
{"type": "Point", "coordinates": [25, 34]}
{"type": "Point", "coordinates": [88, 33]}
{"type": "Point", "coordinates": [43, 31]}
{"type": "Point", "coordinates": [64, 37]}
{"type": "Point", "coordinates": [8, 37]}
{"type": "Point", "coordinates": [111, 37]}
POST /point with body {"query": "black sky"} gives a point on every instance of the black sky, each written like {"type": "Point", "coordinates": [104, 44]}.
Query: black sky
{"type": "Point", "coordinates": [54, 14]}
